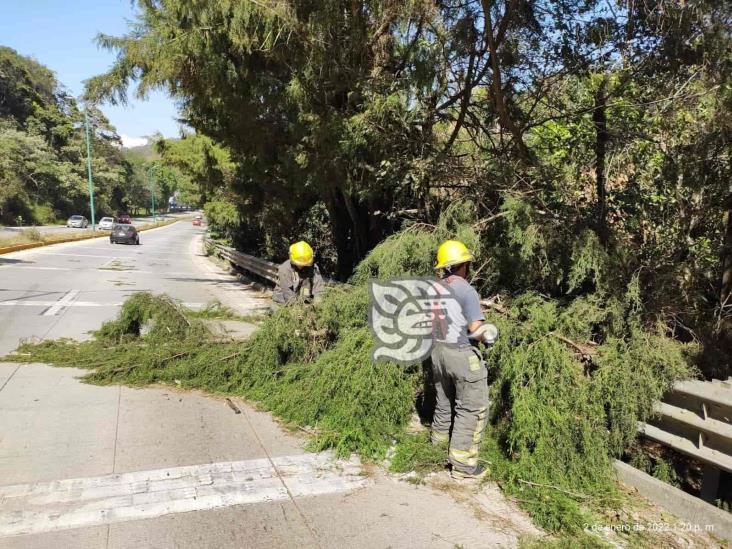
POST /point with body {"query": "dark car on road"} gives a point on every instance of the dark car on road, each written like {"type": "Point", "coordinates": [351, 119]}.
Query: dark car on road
{"type": "Point", "coordinates": [124, 219]}
{"type": "Point", "coordinates": [124, 234]}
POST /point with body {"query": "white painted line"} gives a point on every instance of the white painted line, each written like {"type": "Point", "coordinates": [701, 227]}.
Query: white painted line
{"type": "Point", "coordinates": [75, 255]}
{"type": "Point", "coordinates": [39, 268]}
{"type": "Point", "coordinates": [137, 252]}
{"type": "Point", "coordinates": [21, 303]}
{"type": "Point", "coordinates": [107, 263]}
{"type": "Point", "coordinates": [81, 502]}
{"type": "Point", "coordinates": [65, 301]}
{"type": "Point", "coordinates": [99, 270]}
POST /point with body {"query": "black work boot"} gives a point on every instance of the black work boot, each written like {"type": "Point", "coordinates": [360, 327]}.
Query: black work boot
{"type": "Point", "coordinates": [479, 473]}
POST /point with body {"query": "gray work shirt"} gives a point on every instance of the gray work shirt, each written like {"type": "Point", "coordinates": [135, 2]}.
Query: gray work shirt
{"type": "Point", "coordinates": [291, 285]}
{"type": "Point", "coordinates": [469, 302]}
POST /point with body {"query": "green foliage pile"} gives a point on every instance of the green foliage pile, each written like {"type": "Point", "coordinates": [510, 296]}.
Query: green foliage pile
{"type": "Point", "coordinates": [156, 317]}
{"type": "Point", "coordinates": [411, 252]}
{"type": "Point", "coordinates": [558, 421]}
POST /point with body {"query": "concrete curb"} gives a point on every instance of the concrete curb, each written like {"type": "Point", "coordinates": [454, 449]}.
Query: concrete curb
{"type": "Point", "coordinates": [696, 512]}
{"type": "Point", "coordinates": [21, 247]}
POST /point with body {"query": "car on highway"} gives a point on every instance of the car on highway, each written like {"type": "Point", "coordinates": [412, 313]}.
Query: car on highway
{"type": "Point", "coordinates": [124, 234]}
{"type": "Point", "coordinates": [124, 219]}
{"type": "Point", "coordinates": [106, 223]}
{"type": "Point", "coordinates": [77, 222]}
{"type": "Point", "coordinates": [197, 220]}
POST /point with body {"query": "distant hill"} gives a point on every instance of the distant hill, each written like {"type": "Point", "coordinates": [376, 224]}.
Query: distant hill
{"type": "Point", "coordinates": [146, 151]}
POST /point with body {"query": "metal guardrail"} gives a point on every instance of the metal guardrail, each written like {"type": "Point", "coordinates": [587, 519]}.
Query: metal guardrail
{"type": "Point", "coordinates": [695, 418]}
{"type": "Point", "coordinates": [260, 267]}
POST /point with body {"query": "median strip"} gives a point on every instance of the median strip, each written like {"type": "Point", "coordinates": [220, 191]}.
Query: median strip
{"type": "Point", "coordinates": [65, 239]}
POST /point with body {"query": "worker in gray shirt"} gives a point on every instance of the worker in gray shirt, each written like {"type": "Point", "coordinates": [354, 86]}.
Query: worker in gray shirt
{"type": "Point", "coordinates": [458, 368]}
{"type": "Point", "coordinates": [298, 277]}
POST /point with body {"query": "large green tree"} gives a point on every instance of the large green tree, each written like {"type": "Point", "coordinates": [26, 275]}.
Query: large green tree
{"type": "Point", "coordinates": [43, 148]}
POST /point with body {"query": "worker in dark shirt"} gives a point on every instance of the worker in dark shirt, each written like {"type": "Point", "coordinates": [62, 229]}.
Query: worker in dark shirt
{"type": "Point", "coordinates": [458, 368]}
{"type": "Point", "coordinates": [298, 277]}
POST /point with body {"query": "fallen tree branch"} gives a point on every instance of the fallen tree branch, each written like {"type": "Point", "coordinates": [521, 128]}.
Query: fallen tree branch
{"type": "Point", "coordinates": [227, 357]}
{"type": "Point", "coordinates": [585, 350]}
{"type": "Point", "coordinates": [176, 356]}
{"type": "Point", "coordinates": [482, 222]}
{"type": "Point", "coordinates": [233, 406]}
{"type": "Point", "coordinates": [492, 303]}
{"type": "Point", "coordinates": [557, 488]}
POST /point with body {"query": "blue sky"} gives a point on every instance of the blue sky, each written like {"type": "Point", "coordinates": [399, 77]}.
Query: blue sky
{"type": "Point", "coordinates": [60, 34]}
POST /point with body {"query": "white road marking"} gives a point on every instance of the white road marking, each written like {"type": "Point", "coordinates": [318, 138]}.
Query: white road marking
{"type": "Point", "coordinates": [145, 251]}
{"type": "Point", "coordinates": [21, 303]}
{"type": "Point", "coordinates": [107, 263]}
{"type": "Point", "coordinates": [74, 255]}
{"type": "Point", "coordinates": [95, 269]}
{"type": "Point", "coordinates": [65, 301]}
{"type": "Point", "coordinates": [81, 502]}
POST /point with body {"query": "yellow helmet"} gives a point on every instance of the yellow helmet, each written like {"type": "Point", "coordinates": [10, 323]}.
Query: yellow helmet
{"type": "Point", "coordinates": [452, 252]}
{"type": "Point", "coordinates": [301, 254]}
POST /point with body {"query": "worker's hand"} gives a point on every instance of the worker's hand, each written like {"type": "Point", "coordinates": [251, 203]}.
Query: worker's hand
{"type": "Point", "coordinates": [486, 333]}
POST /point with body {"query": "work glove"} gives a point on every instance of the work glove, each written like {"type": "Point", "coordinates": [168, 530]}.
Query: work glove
{"type": "Point", "coordinates": [486, 333]}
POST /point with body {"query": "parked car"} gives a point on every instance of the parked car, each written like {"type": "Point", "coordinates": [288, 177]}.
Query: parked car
{"type": "Point", "coordinates": [106, 223]}
{"type": "Point", "coordinates": [125, 219]}
{"type": "Point", "coordinates": [197, 220]}
{"type": "Point", "coordinates": [77, 222]}
{"type": "Point", "coordinates": [124, 234]}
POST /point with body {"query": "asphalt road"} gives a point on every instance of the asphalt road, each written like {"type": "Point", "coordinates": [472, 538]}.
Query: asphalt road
{"type": "Point", "coordinates": [112, 466]}
{"type": "Point", "coordinates": [66, 290]}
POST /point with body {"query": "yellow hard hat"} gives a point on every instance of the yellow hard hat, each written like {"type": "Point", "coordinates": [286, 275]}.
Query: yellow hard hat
{"type": "Point", "coordinates": [301, 254]}
{"type": "Point", "coordinates": [452, 252]}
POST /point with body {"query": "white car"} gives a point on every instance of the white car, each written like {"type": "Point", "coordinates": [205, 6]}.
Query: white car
{"type": "Point", "coordinates": [106, 223]}
{"type": "Point", "coordinates": [78, 222]}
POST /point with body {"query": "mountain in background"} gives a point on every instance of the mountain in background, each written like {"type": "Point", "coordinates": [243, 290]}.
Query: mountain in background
{"type": "Point", "coordinates": [146, 151]}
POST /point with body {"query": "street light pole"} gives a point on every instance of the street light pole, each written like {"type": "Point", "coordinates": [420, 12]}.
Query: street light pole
{"type": "Point", "coordinates": [89, 170]}
{"type": "Point", "coordinates": [151, 177]}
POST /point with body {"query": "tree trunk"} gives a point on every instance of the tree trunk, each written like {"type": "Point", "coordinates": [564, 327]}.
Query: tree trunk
{"type": "Point", "coordinates": [340, 223]}
{"type": "Point", "coordinates": [498, 96]}
{"type": "Point", "coordinates": [725, 294]}
{"type": "Point", "coordinates": [359, 226]}
{"type": "Point", "coordinates": [599, 118]}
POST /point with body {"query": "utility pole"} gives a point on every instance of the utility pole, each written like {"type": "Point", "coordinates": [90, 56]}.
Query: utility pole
{"type": "Point", "coordinates": [89, 170]}
{"type": "Point", "coordinates": [151, 178]}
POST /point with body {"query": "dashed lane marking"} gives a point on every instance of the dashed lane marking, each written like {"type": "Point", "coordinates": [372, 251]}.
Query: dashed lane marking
{"type": "Point", "coordinates": [81, 502]}
{"type": "Point", "coordinates": [66, 300]}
